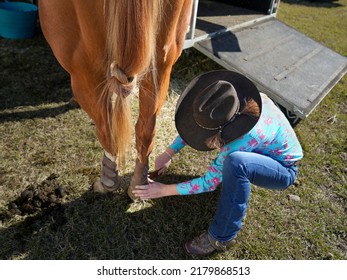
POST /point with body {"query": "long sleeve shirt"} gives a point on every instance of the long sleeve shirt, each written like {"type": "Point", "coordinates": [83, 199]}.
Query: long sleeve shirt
{"type": "Point", "coordinates": [272, 136]}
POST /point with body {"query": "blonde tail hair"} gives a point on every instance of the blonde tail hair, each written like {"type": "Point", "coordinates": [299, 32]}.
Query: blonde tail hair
{"type": "Point", "coordinates": [130, 44]}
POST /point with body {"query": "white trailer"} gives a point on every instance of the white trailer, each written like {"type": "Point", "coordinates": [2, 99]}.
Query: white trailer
{"type": "Point", "coordinates": [245, 36]}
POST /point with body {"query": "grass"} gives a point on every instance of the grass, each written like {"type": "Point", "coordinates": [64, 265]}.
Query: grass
{"type": "Point", "coordinates": [41, 135]}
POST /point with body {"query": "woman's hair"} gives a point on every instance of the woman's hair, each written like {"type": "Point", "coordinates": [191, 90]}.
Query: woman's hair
{"type": "Point", "coordinates": [250, 109]}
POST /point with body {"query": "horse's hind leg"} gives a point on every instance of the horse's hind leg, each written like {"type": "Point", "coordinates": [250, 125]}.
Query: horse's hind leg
{"type": "Point", "coordinates": [150, 102]}
{"type": "Point", "coordinates": [144, 143]}
{"type": "Point", "coordinates": [84, 87]}
{"type": "Point", "coordinates": [109, 180]}
{"type": "Point", "coordinates": [170, 43]}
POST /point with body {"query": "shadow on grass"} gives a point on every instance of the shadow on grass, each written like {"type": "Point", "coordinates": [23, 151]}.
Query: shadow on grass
{"type": "Point", "coordinates": [38, 113]}
{"type": "Point", "coordinates": [315, 3]}
{"type": "Point", "coordinates": [110, 226]}
{"type": "Point", "coordinates": [30, 75]}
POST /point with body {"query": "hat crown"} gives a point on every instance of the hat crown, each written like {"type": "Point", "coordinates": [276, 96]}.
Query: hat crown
{"type": "Point", "coordinates": [215, 105]}
{"type": "Point", "coordinates": [211, 106]}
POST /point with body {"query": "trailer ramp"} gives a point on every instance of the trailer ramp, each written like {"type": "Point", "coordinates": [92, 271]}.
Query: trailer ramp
{"type": "Point", "coordinates": [292, 69]}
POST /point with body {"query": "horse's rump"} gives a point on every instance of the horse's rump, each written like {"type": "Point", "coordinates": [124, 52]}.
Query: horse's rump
{"type": "Point", "coordinates": [108, 47]}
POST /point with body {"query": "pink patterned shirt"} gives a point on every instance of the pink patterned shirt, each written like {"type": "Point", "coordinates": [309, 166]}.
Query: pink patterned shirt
{"type": "Point", "coordinates": [272, 136]}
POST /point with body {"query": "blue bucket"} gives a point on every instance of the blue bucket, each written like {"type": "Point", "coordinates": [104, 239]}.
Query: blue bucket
{"type": "Point", "coordinates": [18, 20]}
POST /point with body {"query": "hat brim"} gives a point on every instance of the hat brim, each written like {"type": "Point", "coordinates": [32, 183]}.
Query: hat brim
{"type": "Point", "coordinates": [194, 135]}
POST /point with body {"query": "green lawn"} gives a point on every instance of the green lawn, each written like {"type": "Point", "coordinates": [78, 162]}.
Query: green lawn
{"type": "Point", "coordinates": [44, 143]}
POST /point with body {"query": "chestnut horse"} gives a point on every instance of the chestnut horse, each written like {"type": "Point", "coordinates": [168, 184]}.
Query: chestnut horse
{"type": "Point", "coordinates": [110, 48]}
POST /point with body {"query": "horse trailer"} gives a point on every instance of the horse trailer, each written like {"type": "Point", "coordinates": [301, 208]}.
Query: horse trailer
{"type": "Point", "coordinates": [295, 71]}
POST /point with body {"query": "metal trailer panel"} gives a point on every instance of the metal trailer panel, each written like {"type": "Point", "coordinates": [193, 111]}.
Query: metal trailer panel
{"type": "Point", "coordinates": [294, 70]}
{"type": "Point", "coordinates": [212, 17]}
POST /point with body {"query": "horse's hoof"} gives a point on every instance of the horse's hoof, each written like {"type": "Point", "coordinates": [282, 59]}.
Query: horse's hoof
{"type": "Point", "coordinates": [99, 187]}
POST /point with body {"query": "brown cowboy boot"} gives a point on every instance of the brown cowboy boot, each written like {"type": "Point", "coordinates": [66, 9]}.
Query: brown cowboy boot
{"type": "Point", "coordinates": [109, 181]}
{"type": "Point", "coordinates": [205, 244]}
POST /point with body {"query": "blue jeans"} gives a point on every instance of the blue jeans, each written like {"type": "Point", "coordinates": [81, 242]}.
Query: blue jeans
{"type": "Point", "coordinates": [240, 169]}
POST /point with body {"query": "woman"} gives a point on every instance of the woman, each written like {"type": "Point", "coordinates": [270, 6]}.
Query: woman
{"type": "Point", "coordinates": [223, 109]}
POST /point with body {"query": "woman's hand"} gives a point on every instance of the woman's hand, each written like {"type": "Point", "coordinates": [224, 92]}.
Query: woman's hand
{"type": "Point", "coordinates": [154, 190]}
{"type": "Point", "coordinates": [163, 161]}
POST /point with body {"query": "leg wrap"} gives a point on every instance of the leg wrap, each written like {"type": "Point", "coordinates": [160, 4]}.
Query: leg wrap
{"type": "Point", "coordinates": [109, 180]}
{"type": "Point", "coordinates": [109, 177]}
{"type": "Point", "coordinates": [139, 178]}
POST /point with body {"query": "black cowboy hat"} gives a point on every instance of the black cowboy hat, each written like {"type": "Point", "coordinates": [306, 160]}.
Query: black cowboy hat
{"type": "Point", "coordinates": [212, 103]}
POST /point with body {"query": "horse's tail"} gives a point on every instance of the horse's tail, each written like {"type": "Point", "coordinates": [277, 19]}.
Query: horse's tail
{"type": "Point", "coordinates": [131, 32]}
